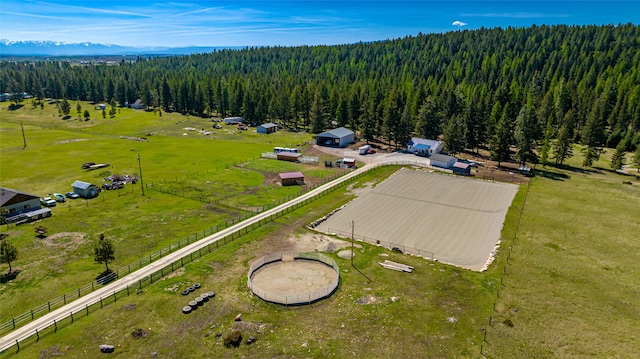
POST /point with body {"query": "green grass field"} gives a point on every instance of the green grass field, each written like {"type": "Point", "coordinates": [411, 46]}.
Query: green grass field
{"type": "Point", "coordinates": [192, 185]}
{"type": "Point", "coordinates": [568, 290]}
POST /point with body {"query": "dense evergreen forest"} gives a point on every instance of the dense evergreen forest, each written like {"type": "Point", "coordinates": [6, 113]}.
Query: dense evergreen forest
{"type": "Point", "coordinates": [536, 90]}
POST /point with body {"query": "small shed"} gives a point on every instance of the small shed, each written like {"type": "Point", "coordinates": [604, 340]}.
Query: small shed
{"type": "Point", "coordinates": [442, 161]}
{"type": "Point", "coordinates": [462, 168]}
{"type": "Point", "coordinates": [267, 128]}
{"type": "Point", "coordinates": [339, 137]}
{"type": "Point", "coordinates": [85, 189]}
{"type": "Point", "coordinates": [288, 156]}
{"type": "Point", "coordinates": [232, 120]}
{"type": "Point", "coordinates": [138, 105]}
{"type": "Point", "coordinates": [291, 178]}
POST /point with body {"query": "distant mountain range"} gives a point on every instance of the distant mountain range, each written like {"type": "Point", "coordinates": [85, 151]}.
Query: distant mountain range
{"type": "Point", "coordinates": [52, 48]}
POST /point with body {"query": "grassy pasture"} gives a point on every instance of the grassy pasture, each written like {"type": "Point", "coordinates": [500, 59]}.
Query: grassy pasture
{"type": "Point", "coordinates": [572, 282]}
{"type": "Point", "coordinates": [193, 166]}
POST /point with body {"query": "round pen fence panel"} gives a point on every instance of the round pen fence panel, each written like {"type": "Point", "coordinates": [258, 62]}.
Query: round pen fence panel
{"type": "Point", "coordinates": [293, 278]}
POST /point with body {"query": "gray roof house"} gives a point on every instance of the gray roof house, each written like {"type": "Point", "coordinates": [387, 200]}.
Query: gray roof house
{"type": "Point", "coordinates": [14, 202]}
{"type": "Point", "coordinates": [424, 147]}
{"type": "Point", "coordinates": [339, 137]}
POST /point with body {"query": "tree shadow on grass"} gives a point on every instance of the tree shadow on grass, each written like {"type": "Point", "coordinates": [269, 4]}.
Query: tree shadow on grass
{"type": "Point", "coordinates": [6, 277]}
{"type": "Point", "coordinates": [106, 277]}
{"type": "Point", "coordinates": [554, 175]}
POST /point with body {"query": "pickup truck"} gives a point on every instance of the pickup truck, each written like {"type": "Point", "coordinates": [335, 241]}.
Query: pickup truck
{"type": "Point", "coordinates": [48, 202]}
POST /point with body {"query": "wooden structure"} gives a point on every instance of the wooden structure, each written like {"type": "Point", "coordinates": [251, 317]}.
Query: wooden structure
{"type": "Point", "coordinates": [291, 178]}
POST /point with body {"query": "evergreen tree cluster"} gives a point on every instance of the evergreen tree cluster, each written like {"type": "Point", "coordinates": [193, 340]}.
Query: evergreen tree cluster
{"type": "Point", "coordinates": [539, 88]}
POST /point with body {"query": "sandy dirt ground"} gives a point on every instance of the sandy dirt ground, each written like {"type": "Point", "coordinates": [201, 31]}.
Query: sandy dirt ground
{"type": "Point", "coordinates": [289, 278]}
{"type": "Point", "coordinates": [451, 219]}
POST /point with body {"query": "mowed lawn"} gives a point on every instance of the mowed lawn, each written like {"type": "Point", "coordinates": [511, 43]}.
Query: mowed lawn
{"type": "Point", "coordinates": [572, 285]}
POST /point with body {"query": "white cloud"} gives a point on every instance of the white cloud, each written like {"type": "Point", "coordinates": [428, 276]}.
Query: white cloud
{"type": "Point", "coordinates": [459, 23]}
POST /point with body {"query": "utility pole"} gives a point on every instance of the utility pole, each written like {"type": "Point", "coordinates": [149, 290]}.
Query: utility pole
{"type": "Point", "coordinates": [140, 168]}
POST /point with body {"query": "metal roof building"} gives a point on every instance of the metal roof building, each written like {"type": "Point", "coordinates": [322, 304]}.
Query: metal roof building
{"type": "Point", "coordinates": [339, 137]}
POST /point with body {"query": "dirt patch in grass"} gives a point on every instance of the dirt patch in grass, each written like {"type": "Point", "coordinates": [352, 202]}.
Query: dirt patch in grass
{"type": "Point", "coordinates": [64, 239]}
{"type": "Point", "coordinates": [71, 140]}
{"type": "Point", "coordinates": [315, 242]}
{"type": "Point", "coordinates": [368, 299]}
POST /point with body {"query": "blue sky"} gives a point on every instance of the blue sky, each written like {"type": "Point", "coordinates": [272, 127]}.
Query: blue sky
{"type": "Point", "coordinates": [286, 23]}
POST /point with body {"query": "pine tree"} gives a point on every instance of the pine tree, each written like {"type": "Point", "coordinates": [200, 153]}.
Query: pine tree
{"type": "Point", "coordinates": [104, 252]}
{"type": "Point", "coordinates": [65, 107]}
{"type": "Point", "coordinates": [525, 135]}
{"type": "Point", "coordinates": [546, 142]}
{"type": "Point", "coordinates": [318, 114]}
{"type": "Point", "coordinates": [368, 121]}
{"type": "Point", "coordinates": [501, 140]}
{"type": "Point", "coordinates": [636, 158]}
{"type": "Point", "coordinates": [342, 113]}
{"type": "Point", "coordinates": [8, 253]}
{"type": "Point", "coordinates": [453, 135]}
{"type": "Point", "coordinates": [403, 134]}
{"type": "Point", "coordinates": [429, 119]}
{"type": "Point", "coordinates": [617, 160]}
{"type": "Point", "coordinates": [562, 147]}
{"type": "Point", "coordinates": [593, 136]}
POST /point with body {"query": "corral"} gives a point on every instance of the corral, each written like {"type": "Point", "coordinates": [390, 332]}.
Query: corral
{"type": "Point", "coordinates": [293, 278]}
{"type": "Point", "coordinates": [450, 219]}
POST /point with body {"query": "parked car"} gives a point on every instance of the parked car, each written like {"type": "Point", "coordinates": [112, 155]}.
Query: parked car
{"type": "Point", "coordinates": [72, 195]}
{"type": "Point", "coordinates": [59, 197]}
{"type": "Point", "coordinates": [48, 202]}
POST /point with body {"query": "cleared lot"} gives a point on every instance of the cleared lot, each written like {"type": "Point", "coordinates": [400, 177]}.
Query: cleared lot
{"type": "Point", "coordinates": [451, 219]}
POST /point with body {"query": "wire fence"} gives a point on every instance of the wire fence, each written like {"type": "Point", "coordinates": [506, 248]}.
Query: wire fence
{"type": "Point", "coordinates": [405, 249]}
{"type": "Point", "coordinates": [53, 326]}
{"type": "Point", "coordinates": [495, 315]}
{"type": "Point", "coordinates": [296, 299]}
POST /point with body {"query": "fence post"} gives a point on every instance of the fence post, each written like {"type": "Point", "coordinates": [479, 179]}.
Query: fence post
{"type": "Point", "coordinates": [55, 326]}
{"type": "Point", "coordinates": [71, 317]}
{"type": "Point", "coordinates": [115, 299]}
{"type": "Point", "coordinates": [49, 305]}
{"type": "Point", "coordinates": [87, 307]}
{"type": "Point", "coordinates": [64, 298]}
{"type": "Point", "coordinates": [13, 321]}
{"type": "Point", "coordinates": [127, 290]}
{"type": "Point", "coordinates": [91, 289]}
{"type": "Point", "coordinates": [31, 313]}
{"type": "Point", "coordinates": [18, 345]}
{"type": "Point", "coordinates": [78, 292]}
{"type": "Point", "coordinates": [101, 306]}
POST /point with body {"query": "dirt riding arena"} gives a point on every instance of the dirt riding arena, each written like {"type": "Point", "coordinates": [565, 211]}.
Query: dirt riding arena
{"type": "Point", "coordinates": [289, 278]}
{"type": "Point", "coordinates": [451, 219]}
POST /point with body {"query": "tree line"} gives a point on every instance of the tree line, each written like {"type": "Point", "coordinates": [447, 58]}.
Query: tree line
{"type": "Point", "coordinates": [540, 88]}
